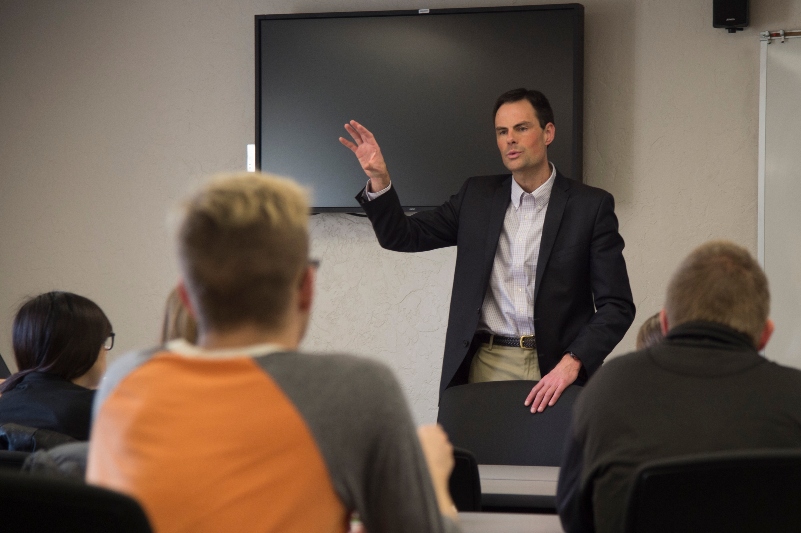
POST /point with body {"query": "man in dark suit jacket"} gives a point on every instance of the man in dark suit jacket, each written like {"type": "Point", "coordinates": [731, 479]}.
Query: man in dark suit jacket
{"type": "Point", "coordinates": [561, 273]}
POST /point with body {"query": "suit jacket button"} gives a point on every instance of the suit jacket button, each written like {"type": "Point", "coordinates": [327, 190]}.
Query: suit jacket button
{"type": "Point", "coordinates": [466, 343]}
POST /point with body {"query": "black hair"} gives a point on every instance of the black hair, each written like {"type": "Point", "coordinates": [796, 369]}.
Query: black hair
{"type": "Point", "coordinates": [57, 333]}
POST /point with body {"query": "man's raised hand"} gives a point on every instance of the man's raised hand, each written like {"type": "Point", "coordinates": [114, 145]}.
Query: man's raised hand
{"type": "Point", "coordinates": [369, 155]}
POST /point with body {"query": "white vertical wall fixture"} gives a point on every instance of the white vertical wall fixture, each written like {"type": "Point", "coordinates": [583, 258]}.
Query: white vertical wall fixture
{"type": "Point", "coordinates": [251, 158]}
{"type": "Point", "coordinates": [780, 189]}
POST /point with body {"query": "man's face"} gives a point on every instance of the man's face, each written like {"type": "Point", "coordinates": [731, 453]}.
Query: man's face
{"type": "Point", "coordinates": [521, 140]}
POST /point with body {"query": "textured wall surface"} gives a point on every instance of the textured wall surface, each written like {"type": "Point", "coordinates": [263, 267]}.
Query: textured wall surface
{"type": "Point", "coordinates": [383, 304]}
{"type": "Point", "coordinates": [112, 111]}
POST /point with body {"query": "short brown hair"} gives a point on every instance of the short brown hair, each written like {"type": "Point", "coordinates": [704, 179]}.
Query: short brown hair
{"type": "Point", "coordinates": [720, 282]}
{"type": "Point", "coordinates": [541, 105]}
{"type": "Point", "coordinates": [650, 332]}
{"type": "Point", "coordinates": [243, 244]}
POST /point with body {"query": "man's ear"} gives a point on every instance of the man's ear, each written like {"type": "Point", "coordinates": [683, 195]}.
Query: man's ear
{"type": "Point", "coordinates": [550, 133]}
{"type": "Point", "coordinates": [766, 333]}
{"type": "Point", "coordinates": [184, 296]}
{"type": "Point", "coordinates": [306, 295]}
{"type": "Point", "coordinates": [663, 322]}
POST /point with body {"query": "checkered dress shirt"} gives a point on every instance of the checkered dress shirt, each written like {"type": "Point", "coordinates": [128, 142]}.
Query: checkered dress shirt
{"type": "Point", "coordinates": [508, 307]}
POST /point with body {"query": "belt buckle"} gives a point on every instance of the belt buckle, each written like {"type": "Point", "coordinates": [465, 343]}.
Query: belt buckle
{"type": "Point", "coordinates": [522, 337]}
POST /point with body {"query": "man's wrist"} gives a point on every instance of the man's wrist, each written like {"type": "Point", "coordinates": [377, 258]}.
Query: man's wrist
{"type": "Point", "coordinates": [379, 184]}
{"type": "Point", "coordinates": [573, 357]}
{"type": "Point", "coordinates": [371, 194]}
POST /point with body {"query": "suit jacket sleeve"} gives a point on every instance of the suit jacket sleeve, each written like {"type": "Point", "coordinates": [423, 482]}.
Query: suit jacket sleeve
{"type": "Point", "coordinates": [611, 291]}
{"type": "Point", "coordinates": [426, 230]}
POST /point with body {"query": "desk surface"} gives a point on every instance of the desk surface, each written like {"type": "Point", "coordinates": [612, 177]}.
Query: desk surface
{"type": "Point", "coordinates": [518, 486]}
{"type": "Point", "coordinates": [509, 523]}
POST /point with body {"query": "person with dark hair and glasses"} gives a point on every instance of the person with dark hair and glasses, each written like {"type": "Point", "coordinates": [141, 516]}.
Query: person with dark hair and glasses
{"type": "Point", "coordinates": [60, 342]}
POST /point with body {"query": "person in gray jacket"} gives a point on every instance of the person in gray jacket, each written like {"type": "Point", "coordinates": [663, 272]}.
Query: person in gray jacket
{"type": "Point", "coordinates": [704, 388]}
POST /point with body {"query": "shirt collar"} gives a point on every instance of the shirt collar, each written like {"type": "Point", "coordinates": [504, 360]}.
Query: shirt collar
{"type": "Point", "coordinates": [182, 347]}
{"type": "Point", "coordinates": [543, 191]}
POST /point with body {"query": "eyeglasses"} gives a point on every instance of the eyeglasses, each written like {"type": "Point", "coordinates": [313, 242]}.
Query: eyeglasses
{"type": "Point", "coordinates": [315, 263]}
{"type": "Point", "coordinates": [109, 344]}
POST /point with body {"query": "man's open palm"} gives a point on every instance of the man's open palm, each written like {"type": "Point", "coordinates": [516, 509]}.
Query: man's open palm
{"type": "Point", "coordinates": [368, 153]}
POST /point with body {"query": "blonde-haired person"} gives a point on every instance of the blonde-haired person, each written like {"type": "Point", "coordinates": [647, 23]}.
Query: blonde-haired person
{"type": "Point", "coordinates": [704, 388]}
{"type": "Point", "coordinates": [649, 333]}
{"type": "Point", "coordinates": [178, 320]}
{"type": "Point", "coordinates": [243, 432]}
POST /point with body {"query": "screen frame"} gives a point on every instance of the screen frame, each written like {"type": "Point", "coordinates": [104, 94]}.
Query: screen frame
{"type": "Point", "coordinates": [577, 142]}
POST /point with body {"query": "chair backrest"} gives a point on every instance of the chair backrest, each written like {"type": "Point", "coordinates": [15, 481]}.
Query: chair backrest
{"type": "Point", "coordinates": [490, 420]}
{"type": "Point", "coordinates": [742, 491]}
{"type": "Point", "coordinates": [35, 503]}
{"type": "Point", "coordinates": [17, 437]}
{"type": "Point", "coordinates": [465, 483]}
{"type": "Point", "coordinates": [10, 460]}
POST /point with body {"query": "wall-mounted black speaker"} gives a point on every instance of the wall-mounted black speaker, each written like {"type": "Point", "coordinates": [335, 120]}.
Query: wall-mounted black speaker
{"type": "Point", "coordinates": [730, 14]}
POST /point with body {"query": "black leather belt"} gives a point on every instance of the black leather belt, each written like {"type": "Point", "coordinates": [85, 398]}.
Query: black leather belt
{"type": "Point", "coordinates": [525, 341]}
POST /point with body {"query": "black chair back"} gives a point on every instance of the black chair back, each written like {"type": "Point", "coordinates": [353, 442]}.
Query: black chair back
{"type": "Point", "coordinates": [35, 503]}
{"type": "Point", "coordinates": [743, 491]}
{"type": "Point", "coordinates": [12, 460]}
{"type": "Point", "coordinates": [490, 420]}
{"type": "Point", "coordinates": [16, 437]}
{"type": "Point", "coordinates": [465, 483]}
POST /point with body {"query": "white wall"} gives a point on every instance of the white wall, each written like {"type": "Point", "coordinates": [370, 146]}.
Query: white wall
{"type": "Point", "coordinates": [110, 111]}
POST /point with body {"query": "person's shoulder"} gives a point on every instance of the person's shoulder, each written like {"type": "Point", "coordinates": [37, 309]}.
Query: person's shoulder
{"type": "Point", "coordinates": [118, 371]}
{"type": "Point", "coordinates": [628, 362]}
{"type": "Point", "coordinates": [784, 375]}
{"type": "Point", "coordinates": [336, 383]}
{"type": "Point", "coordinates": [610, 384]}
{"type": "Point", "coordinates": [619, 370]}
{"type": "Point", "coordinates": [355, 372]}
{"type": "Point", "coordinates": [358, 368]}
{"type": "Point", "coordinates": [130, 361]}
{"type": "Point", "coordinates": [579, 189]}
{"type": "Point", "coordinates": [341, 361]}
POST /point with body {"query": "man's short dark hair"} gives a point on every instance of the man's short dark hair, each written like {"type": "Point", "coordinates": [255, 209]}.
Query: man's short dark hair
{"type": "Point", "coordinates": [541, 105]}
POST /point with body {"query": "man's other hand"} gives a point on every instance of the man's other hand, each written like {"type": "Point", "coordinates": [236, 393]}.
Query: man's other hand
{"type": "Point", "coordinates": [369, 155]}
{"type": "Point", "coordinates": [550, 387]}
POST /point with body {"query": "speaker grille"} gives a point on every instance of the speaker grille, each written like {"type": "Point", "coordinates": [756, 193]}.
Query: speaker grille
{"type": "Point", "coordinates": [730, 13]}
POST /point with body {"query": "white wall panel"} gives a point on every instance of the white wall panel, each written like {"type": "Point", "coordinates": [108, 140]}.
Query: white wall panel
{"type": "Point", "coordinates": [782, 192]}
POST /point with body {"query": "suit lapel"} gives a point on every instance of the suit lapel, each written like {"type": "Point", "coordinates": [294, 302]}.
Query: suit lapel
{"type": "Point", "coordinates": [500, 201]}
{"type": "Point", "coordinates": [553, 218]}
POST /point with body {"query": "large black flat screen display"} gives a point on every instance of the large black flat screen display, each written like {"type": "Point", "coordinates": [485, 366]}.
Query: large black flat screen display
{"type": "Point", "coordinates": [423, 83]}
